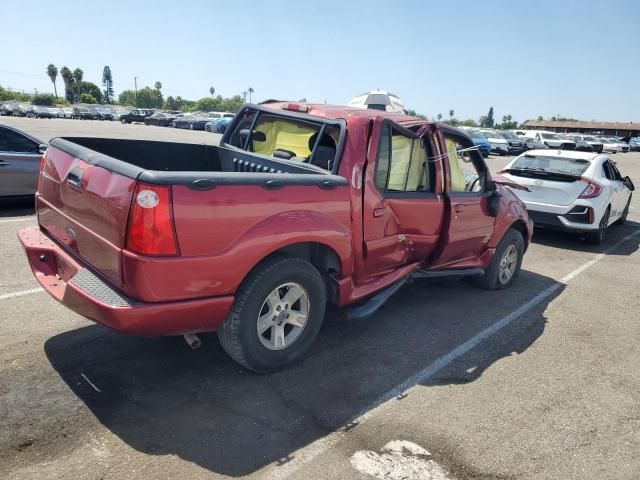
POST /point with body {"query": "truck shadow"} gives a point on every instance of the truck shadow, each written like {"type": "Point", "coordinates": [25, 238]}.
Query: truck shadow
{"type": "Point", "coordinates": [161, 398]}
{"type": "Point", "coordinates": [576, 242]}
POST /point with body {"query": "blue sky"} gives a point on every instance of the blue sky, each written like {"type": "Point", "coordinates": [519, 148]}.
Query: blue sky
{"type": "Point", "coordinates": [578, 58]}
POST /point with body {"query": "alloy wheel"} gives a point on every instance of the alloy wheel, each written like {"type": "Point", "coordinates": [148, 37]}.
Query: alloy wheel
{"type": "Point", "coordinates": [283, 316]}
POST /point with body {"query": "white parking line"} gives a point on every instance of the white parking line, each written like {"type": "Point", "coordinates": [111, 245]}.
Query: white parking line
{"type": "Point", "coordinates": [307, 454]}
{"type": "Point", "coordinates": [21, 293]}
{"type": "Point", "coordinates": [22, 219]}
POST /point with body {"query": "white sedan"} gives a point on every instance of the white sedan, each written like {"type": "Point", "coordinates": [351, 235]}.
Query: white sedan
{"type": "Point", "coordinates": [573, 191]}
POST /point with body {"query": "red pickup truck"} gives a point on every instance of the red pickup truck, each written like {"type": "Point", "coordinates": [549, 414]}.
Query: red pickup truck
{"type": "Point", "coordinates": [301, 207]}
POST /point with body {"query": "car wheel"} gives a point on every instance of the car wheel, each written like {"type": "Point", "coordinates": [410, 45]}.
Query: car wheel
{"type": "Point", "coordinates": [598, 236]}
{"type": "Point", "coordinates": [505, 264]}
{"type": "Point", "coordinates": [625, 213]}
{"type": "Point", "coordinates": [191, 126]}
{"type": "Point", "coordinates": [276, 315]}
{"type": "Point", "coordinates": [123, 121]}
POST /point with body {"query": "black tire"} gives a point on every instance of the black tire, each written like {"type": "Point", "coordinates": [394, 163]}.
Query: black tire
{"type": "Point", "coordinates": [123, 121]}
{"type": "Point", "coordinates": [625, 213]}
{"type": "Point", "coordinates": [191, 126]}
{"type": "Point", "coordinates": [598, 236]}
{"type": "Point", "coordinates": [492, 279]}
{"type": "Point", "coordinates": [239, 336]}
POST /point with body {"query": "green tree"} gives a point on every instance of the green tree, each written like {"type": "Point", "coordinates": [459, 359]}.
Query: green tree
{"type": "Point", "coordinates": [170, 103]}
{"type": "Point", "coordinates": [468, 123]}
{"type": "Point", "coordinates": [87, 98]}
{"type": "Point", "coordinates": [127, 97]}
{"type": "Point", "coordinates": [212, 91]}
{"type": "Point", "coordinates": [158, 85]}
{"type": "Point", "coordinates": [90, 88]}
{"type": "Point", "coordinates": [250, 90]}
{"type": "Point", "coordinates": [44, 99]}
{"type": "Point", "coordinates": [507, 123]}
{"type": "Point", "coordinates": [413, 113]}
{"type": "Point", "coordinates": [540, 118]}
{"type": "Point", "coordinates": [69, 84]}
{"type": "Point", "coordinates": [487, 120]}
{"type": "Point", "coordinates": [52, 72]}
{"type": "Point", "coordinates": [147, 98]}
{"type": "Point", "coordinates": [208, 104]}
{"type": "Point", "coordinates": [78, 75]}
{"type": "Point", "coordinates": [107, 83]}
{"type": "Point", "coordinates": [451, 113]}
{"type": "Point", "coordinates": [439, 116]}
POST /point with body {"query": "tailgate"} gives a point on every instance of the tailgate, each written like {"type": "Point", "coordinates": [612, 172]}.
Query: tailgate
{"type": "Point", "coordinates": [85, 206]}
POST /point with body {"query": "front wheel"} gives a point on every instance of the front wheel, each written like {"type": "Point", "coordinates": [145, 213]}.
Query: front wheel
{"type": "Point", "coordinates": [505, 264]}
{"type": "Point", "coordinates": [276, 315]}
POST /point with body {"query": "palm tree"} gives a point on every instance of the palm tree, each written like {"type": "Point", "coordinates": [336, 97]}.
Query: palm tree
{"type": "Point", "coordinates": [212, 91]}
{"type": "Point", "coordinates": [439, 117]}
{"type": "Point", "coordinates": [158, 85]}
{"type": "Point", "coordinates": [67, 78]}
{"type": "Point", "coordinates": [78, 74]}
{"type": "Point", "coordinates": [250, 93]}
{"type": "Point", "coordinates": [451, 113]}
{"type": "Point", "coordinates": [244, 95]}
{"type": "Point", "coordinates": [52, 71]}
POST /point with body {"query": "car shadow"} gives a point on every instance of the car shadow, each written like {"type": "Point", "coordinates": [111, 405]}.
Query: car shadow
{"type": "Point", "coordinates": [161, 398]}
{"type": "Point", "coordinates": [576, 242]}
{"type": "Point", "coordinates": [17, 207]}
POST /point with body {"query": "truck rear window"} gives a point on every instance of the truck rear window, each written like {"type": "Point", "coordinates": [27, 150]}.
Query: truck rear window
{"type": "Point", "coordinates": [292, 139]}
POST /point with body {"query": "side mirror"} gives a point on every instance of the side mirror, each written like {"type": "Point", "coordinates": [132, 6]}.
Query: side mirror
{"type": "Point", "coordinates": [43, 148]}
{"type": "Point", "coordinates": [493, 206]}
{"type": "Point", "coordinates": [629, 184]}
{"type": "Point", "coordinates": [256, 136]}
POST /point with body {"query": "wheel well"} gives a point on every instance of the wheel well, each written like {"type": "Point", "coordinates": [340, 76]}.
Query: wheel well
{"type": "Point", "coordinates": [521, 227]}
{"type": "Point", "coordinates": [322, 257]}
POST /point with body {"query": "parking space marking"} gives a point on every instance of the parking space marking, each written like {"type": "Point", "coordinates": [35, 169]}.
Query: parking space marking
{"type": "Point", "coordinates": [21, 293]}
{"type": "Point", "coordinates": [23, 219]}
{"type": "Point", "coordinates": [307, 454]}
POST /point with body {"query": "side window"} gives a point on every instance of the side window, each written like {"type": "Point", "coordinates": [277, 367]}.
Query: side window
{"type": "Point", "coordinates": [402, 163]}
{"type": "Point", "coordinates": [465, 177]}
{"type": "Point", "coordinates": [616, 173]}
{"type": "Point", "coordinates": [11, 141]}
{"type": "Point", "coordinates": [608, 173]}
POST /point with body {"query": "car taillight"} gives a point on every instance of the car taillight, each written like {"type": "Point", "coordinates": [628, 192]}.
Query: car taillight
{"type": "Point", "coordinates": [43, 160]}
{"type": "Point", "coordinates": [151, 230]}
{"type": "Point", "coordinates": [592, 190]}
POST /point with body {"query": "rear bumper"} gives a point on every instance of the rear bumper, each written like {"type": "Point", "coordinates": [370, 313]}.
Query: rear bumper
{"type": "Point", "coordinates": [81, 290]}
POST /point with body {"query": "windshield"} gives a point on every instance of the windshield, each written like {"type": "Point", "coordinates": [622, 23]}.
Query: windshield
{"type": "Point", "coordinates": [476, 134]}
{"type": "Point", "coordinates": [567, 166]}
{"type": "Point", "coordinates": [550, 136]}
{"type": "Point", "coordinates": [510, 135]}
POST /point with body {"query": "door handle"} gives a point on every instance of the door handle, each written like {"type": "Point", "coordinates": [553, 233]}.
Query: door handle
{"type": "Point", "coordinates": [459, 208]}
{"type": "Point", "coordinates": [379, 212]}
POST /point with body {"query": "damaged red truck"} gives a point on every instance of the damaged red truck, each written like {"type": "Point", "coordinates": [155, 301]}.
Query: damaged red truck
{"type": "Point", "coordinates": [301, 207]}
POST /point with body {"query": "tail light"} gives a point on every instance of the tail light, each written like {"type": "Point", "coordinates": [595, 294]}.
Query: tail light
{"type": "Point", "coordinates": [151, 230]}
{"type": "Point", "coordinates": [43, 160]}
{"type": "Point", "coordinates": [592, 190]}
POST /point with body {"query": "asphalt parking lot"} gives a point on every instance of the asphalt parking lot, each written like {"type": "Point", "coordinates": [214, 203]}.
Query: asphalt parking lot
{"type": "Point", "coordinates": [446, 381]}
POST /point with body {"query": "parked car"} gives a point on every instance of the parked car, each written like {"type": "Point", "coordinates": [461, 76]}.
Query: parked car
{"type": "Point", "coordinates": [581, 145]}
{"type": "Point", "coordinates": [480, 141]}
{"type": "Point", "coordinates": [594, 143]}
{"type": "Point", "coordinates": [533, 144]}
{"type": "Point", "coordinates": [35, 111]}
{"type": "Point", "coordinates": [6, 109]}
{"type": "Point", "coordinates": [219, 125]}
{"type": "Point", "coordinates": [160, 119]}
{"type": "Point", "coordinates": [499, 144]}
{"type": "Point", "coordinates": [20, 155]}
{"type": "Point", "coordinates": [634, 144]}
{"type": "Point", "coordinates": [551, 139]}
{"type": "Point", "coordinates": [258, 235]}
{"type": "Point", "coordinates": [572, 191]}
{"type": "Point", "coordinates": [84, 113]}
{"type": "Point", "coordinates": [67, 112]}
{"type": "Point", "coordinates": [20, 110]}
{"type": "Point", "coordinates": [137, 115]}
{"type": "Point", "coordinates": [622, 146]}
{"type": "Point", "coordinates": [608, 145]}
{"type": "Point", "coordinates": [184, 120]}
{"type": "Point", "coordinates": [517, 145]}
{"type": "Point", "coordinates": [103, 113]}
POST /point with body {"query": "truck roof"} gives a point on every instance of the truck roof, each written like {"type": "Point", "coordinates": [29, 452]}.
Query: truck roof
{"type": "Point", "coordinates": [334, 112]}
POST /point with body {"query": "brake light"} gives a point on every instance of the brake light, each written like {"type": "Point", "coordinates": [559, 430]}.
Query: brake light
{"type": "Point", "coordinates": [592, 190]}
{"type": "Point", "coordinates": [43, 160]}
{"type": "Point", "coordinates": [296, 107]}
{"type": "Point", "coordinates": [151, 230]}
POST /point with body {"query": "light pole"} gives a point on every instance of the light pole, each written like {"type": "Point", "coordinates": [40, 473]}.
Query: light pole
{"type": "Point", "coordinates": [135, 94]}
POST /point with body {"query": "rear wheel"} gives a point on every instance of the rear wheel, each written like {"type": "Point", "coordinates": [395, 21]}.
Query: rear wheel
{"type": "Point", "coordinates": [505, 264]}
{"type": "Point", "coordinates": [276, 316]}
{"type": "Point", "coordinates": [598, 236]}
{"type": "Point", "coordinates": [191, 126]}
{"type": "Point", "coordinates": [123, 121]}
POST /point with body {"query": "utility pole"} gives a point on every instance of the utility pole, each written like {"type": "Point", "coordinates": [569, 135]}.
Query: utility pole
{"type": "Point", "coordinates": [135, 83]}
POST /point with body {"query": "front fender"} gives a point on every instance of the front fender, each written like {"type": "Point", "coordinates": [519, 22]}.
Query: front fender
{"type": "Point", "coordinates": [512, 210]}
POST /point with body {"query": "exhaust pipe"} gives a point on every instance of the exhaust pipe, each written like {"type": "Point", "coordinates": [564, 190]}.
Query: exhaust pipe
{"type": "Point", "coordinates": [192, 340]}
